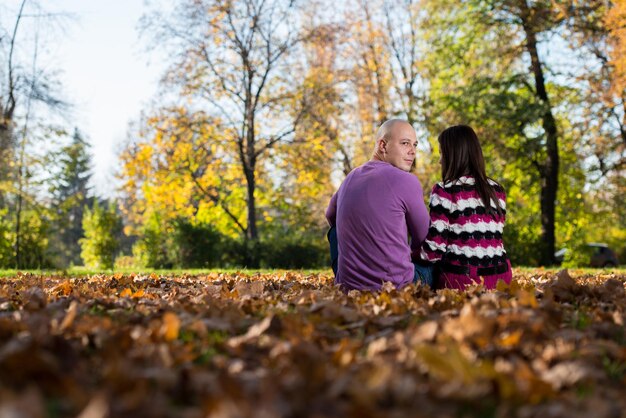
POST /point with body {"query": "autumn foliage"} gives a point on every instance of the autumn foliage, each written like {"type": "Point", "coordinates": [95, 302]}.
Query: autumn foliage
{"type": "Point", "coordinates": [615, 24]}
{"type": "Point", "coordinates": [293, 345]}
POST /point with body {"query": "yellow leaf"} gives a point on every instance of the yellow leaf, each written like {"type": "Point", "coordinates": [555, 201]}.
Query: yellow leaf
{"type": "Point", "coordinates": [171, 326]}
{"type": "Point", "coordinates": [527, 298]}
{"type": "Point", "coordinates": [512, 339]}
{"type": "Point", "coordinates": [63, 289]}
{"type": "Point", "coordinates": [501, 286]}
{"type": "Point", "coordinates": [126, 293]}
{"type": "Point", "coordinates": [452, 365]}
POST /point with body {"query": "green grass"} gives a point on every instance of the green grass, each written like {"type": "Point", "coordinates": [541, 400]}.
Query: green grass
{"type": "Point", "coordinates": [83, 271]}
{"type": "Point", "coordinates": [621, 270]}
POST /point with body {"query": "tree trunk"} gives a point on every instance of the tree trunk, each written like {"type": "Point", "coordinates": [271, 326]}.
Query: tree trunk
{"type": "Point", "coordinates": [18, 232]}
{"type": "Point", "coordinates": [252, 235]}
{"type": "Point", "coordinates": [6, 155]}
{"type": "Point", "coordinates": [18, 211]}
{"type": "Point", "coordinates": [6, 135]}
{"type": "Point", "coordinates": [549, 171]}
{"type": "Point", "coordinates": [6, 123]}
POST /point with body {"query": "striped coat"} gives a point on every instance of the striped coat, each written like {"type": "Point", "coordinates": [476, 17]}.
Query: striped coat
{"type": "Point", "coordinates": [464, 240]}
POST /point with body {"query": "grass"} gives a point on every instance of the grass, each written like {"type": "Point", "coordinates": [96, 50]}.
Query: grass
{"type": "Point", "coordinates": [576, 270]}
{"type": "Point", "coordinates": [84, 271]}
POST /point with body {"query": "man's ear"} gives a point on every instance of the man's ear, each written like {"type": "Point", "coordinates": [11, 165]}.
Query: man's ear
{"type": "Point", "coordinates": [382, 146]}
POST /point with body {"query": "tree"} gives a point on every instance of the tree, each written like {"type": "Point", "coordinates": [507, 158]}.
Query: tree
{"type": "Point", "coordinates": [372, 63]}
{"type": "Point", "coordinates": [386, 57]}
{"type": "Point", "coordinates": [178, 160]}
{"type": "Point", "coordinates": [259, 124]}
{"type": "Point", "coordinates": [614, 21]}
{"type": "Point", "coordinates": [21, 86]}
{"type": "Point", "coordinates": [70, 194]}
{"type": "Point", "coordinates": [101, 226]}
{"type": "Point", "coordinates": [25, 88]}
{"type": "Point", "coordinates": [531, 20]}
{"type": "Point", "coordinates": [8, 95]}
{"type": "Point", "coordinates": [305, 166]}
{"type": "Point", "coordinates": [596, 31]}
{"type": "Point", "coordinates": [403, 23]}
{"type": "Point", "coordinates": [7, 258]}
{"type": "Point", "coordinates": [230, 58]}
{"type": "Point", "coordinates": [151, 249]}
{"type": "Point", "coordinates": [496, 49]}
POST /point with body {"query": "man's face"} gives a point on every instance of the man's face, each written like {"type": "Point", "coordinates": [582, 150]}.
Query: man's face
{"type": "Point", "coordinates": [399, 150]}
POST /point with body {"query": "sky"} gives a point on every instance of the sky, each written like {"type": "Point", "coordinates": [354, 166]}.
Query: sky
{"type": "Point", "coordinates": [106, 74]}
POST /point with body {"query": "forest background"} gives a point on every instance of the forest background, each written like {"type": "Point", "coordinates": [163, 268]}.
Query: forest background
{"type": "Point", "coordinates": [266, 105]}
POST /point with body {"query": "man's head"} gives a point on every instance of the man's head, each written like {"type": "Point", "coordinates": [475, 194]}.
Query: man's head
{"type": "Point", "coordinates": [396, 141]}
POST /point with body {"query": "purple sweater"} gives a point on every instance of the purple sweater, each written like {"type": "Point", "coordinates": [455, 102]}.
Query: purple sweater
{"type": "Point", "coordinates": [376, 209]}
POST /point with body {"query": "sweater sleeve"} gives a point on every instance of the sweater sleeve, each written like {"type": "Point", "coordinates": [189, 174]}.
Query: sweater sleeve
{"type": "Point", "coordinates": [436, 243]}
{"type": "Point", "coordinates": [416, 214]}
{"type": "Point", "coordinates": [331, 211]}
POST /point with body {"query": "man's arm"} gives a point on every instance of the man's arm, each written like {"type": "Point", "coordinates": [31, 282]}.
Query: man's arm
{"type": "Point", "coordinates": [436, 243]}
{"type": "Point", "coordinates": [417, 218]}
{"type": "Point", "coordinates": [331, 211]}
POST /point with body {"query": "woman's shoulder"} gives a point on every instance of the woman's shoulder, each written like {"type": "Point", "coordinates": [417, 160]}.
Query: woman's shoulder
{"type": "Point", "coordinates": [464, 183]}
{"type": "Point", "coordinates": [497, 186]}
{"type": "Point", "coordinates": [457, 184]}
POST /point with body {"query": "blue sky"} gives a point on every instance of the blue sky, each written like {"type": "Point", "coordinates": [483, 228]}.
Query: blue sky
{"type": "Point", "coordinates": [105, 73]}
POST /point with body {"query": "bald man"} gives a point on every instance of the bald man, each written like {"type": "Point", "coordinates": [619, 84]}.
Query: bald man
{"type": "Point", "coordinates": [379, 215]}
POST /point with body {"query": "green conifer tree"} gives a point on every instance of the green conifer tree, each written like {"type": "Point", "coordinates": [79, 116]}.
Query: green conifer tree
{"type": "Point", "coordinates": [71, 193]}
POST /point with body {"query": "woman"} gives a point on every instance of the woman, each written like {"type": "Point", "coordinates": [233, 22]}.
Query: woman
{"type": "Point", "coordinates": [467, 213]}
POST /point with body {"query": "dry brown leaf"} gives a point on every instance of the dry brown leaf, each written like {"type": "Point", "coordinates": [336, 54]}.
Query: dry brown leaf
{"type": "Point", "coordinates": [288, 344]}
{"type": "Point", "coordinates": [566, 374]}
{"type": "Point", "coordinates": [98, 407]}
{"type": "Point", "coordinates": [62, 289]}
{"type": "Point", "coordinates": [70, 316]}
{"type": "Point", "coordinates": [256, 331]}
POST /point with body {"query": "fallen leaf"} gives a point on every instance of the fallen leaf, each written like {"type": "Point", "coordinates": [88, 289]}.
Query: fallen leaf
{"type": "Point", "coordinates": [170, 326]}
{"type": "Point", "coordinates": [98, 407]}
{"type": "Point", "coordinates": [126, 293]}
{"type": "Point", "coordinates": [70, 316]}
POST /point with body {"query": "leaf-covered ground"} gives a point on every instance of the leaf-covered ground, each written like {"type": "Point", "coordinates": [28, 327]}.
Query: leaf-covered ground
{"type": "Point", "coordinates": [292, 345]}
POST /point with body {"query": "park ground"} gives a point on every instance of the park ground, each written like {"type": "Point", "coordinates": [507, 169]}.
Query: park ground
{"type": "Point", "coordinates": [290, 344]}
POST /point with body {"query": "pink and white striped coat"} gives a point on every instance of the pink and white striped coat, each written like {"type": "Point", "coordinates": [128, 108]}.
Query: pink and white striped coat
{"type": "Point", "coordinates": [463, 233]}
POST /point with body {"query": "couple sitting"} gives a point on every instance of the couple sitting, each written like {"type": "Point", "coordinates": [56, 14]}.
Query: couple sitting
{"type": "Point", "coordinates": [381, 230]}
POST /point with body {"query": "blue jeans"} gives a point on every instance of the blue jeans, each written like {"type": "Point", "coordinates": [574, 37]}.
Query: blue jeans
{"type": "Point", "coordinates": [423, 274]}
{"type": "Point", "coordinates": [334, 249]}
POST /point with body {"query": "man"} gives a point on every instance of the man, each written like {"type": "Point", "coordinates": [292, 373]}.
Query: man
{"type": "Point", "coordinates": [376, 209]}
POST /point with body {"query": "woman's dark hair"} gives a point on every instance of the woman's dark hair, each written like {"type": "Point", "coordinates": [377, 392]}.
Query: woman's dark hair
{"type": "Point", "coordinates": [461, 155]}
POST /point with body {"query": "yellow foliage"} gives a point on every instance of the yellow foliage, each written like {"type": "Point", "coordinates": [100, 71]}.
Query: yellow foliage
{"type": "Point", "coordinates": [177, 167]}
{"type": "Point", "coordinates": [615, 18]}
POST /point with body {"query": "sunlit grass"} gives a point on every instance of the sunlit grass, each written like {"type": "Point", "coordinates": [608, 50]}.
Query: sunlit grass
{"type": "Point", "coordinates": [575, 270]}
{"type": "Point", "coordinates": [84, 271]}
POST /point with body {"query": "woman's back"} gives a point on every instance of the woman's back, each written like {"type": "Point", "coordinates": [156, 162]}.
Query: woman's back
{"type": "Point", "coordinates": [465, 237]}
